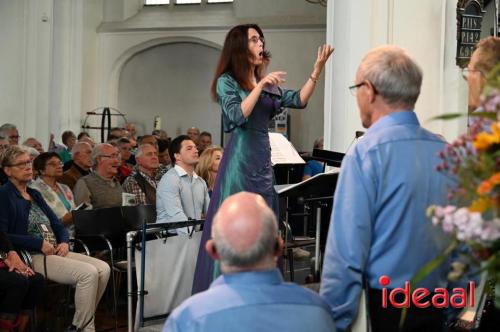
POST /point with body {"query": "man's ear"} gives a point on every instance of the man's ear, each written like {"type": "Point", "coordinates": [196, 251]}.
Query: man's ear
{"type": "Point", "coordinates": [212, 250]}
{"type": "Point", "coordinates": [278, 246]}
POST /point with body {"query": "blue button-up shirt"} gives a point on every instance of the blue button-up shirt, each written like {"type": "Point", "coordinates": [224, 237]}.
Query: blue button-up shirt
{"type": "Point", "coordinates": [180, 197]}
{"type": "Point", "coordinates": [252, 301]}
{"type": "Point", "coordinates": [379, 224]}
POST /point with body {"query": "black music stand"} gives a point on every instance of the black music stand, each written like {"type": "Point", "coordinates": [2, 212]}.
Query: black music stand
{"type": "Point", "coordinates": [315, 192]}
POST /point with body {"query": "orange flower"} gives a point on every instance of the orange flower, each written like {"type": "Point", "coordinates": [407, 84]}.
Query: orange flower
{"type": "Point", "coordinates": [484, 188]}
{"type": "Point", "coordinates": [484, 140]}
{"type": "Point", "coordinates": [495, 179]}
{"type": "Point", "coordinates": [480, 205]}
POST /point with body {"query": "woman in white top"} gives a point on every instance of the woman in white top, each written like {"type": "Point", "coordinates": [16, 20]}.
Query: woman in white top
{"type": "Point", "coordinates": [58, 196]}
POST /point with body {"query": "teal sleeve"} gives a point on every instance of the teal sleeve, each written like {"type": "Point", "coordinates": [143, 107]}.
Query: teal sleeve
{"type": "Point", "coordinates": [229, 97]}
{"type": "Point", "coordinates": [291, 99]}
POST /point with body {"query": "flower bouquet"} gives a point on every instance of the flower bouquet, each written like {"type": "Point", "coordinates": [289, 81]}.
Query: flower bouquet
{"type": "Point", "coordinates": [473, 161]}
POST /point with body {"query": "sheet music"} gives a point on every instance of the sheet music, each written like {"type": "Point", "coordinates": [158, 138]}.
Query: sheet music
{"type": "Point", "coordinates": [281, 188]}
{"type": "Point", "coordinates": [282, 151]}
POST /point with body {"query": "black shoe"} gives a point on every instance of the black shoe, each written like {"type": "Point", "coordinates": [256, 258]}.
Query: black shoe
{"type": "Point", "coordinates": [72, 328]}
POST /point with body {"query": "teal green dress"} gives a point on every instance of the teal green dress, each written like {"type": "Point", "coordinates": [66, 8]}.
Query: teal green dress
{"type": "Point", "coordinates": [246, 162]}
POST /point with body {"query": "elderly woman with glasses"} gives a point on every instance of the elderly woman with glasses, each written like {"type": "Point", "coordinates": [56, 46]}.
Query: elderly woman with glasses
{"type": "Point", "coordinates": [58, 196]}
{"type": "Point", "coordinates": [31, 225]}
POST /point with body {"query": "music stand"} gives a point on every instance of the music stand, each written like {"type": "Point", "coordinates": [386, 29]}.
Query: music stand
{"type": "Point", "coordinates": [315, 192]}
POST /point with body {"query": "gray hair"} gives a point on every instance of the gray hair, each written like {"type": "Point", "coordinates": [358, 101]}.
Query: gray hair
{"type": "Point", "coordinates": [96, 152]}
{"type": "Point", "coordinates": [11, 153]}
{"type": "Point", "coordinates": [78, 146]}
{"type": "Point", "coordinates": [33, 153]}
{"type": "Point", "coordinates": [263, 246]}
{"type": "Point", "coordinates": [140, 149]}
{"type": "Point", "coordinates": [395, 76]}
{"type": "Point", "coordinates": [5, 127]}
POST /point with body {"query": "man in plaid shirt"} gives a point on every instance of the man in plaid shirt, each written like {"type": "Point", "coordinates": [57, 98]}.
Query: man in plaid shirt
{"type": "Point", "coordinates": [144, 179]}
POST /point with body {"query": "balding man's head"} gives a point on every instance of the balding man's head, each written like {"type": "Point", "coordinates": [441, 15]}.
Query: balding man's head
{"type": "Point", "coordinates": [81, 153]}
{"type": "Point", "coordinates": [244, 234]}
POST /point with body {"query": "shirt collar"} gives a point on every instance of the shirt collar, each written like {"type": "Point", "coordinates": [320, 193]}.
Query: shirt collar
{"type": "Point", "coordinates": [393, 119]}
{"type": "Point", "coordinates": [181, 172]}
{"type": "Point", "coordinates": [267, 277]}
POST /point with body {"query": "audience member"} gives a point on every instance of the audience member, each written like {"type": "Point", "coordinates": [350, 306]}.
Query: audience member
{"type": "Point", "coordinates": [20, 288]}
{"type": "Point", "coordinates": [82, 134]}
{"type": "Point", "coordinates": [160, 134]}
{"type": "Point", "coordinates": [115, 133]}
{"type": "Point", "coordinates": [163, 156]}
{"type": "Point", "coordinates": [148, 139]}
{"type": "Point", "coordinates": [58, 196]}
{"type": "Point", "coordinates": [125, 148]}
{"type": "Point", "coordinates": [132, 130]}
{"type": "Point", "coordinates": [80, 166]}
{"type": "Point", "coordinates": [314, 167]}
{"type": "Point", "coordinates": [386, 183]}
{"type": "Point", "coordinates": [483, 59]}
{"type": "Point", "coordinates": [208, 166]}
{"type": "Point", "coordinates": [9, 131]}
{"type": "Point", "coordinates": [69, 140]}
{"type": "Point", "coordinates": [181, 193]}
{"type": "Point", "coordinates": [31, 225]}
{"type": "Point", "coordinates": [194, 134]}
{"type": "Point", "coordinates": [100, 188]}
{"type": "Point", "coordinates": [250, 295]}
{"type": "Point", "coordinates": [88, 140]}
{"type": "Point", "coordinates": [34, 143]}
{"type": "Point", "coordinates": [204, 141]}
{"type": "Point", "coordinates": [143, 181]}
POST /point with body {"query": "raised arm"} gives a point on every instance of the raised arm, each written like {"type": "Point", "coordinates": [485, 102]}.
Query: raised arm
{"type": "Point", "coordinates": [324, 52]}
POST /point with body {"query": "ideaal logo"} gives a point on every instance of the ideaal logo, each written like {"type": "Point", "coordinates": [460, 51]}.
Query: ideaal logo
{"type": "Point", "coordinates": [440, 296]}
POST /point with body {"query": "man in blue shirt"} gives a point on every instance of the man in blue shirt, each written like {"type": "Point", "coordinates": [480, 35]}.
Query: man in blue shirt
{"type": "Point", "coordinates": [250, 295]}
{"type": "Point", "coordinates": [181, 193]}
{"type": "Point", "coordinates": [379, 225]}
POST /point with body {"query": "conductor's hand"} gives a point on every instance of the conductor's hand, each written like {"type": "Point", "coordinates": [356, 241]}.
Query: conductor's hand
{"type": "Point", "coordinates": [324, 52]}
{"type": "Point", "coordinates": [274, 78]}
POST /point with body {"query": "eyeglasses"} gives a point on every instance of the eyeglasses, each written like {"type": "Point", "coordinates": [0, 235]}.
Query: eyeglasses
{"type": "Point", "coordinates": [466, 72]}
{"type": "Point", "coordinates": [354, 88]}
{"type": "Point", "coordinates": [23, 164]}
{"type": "Point", "coordinates": [256, 39]}
{"type": "Point", "coordinates": [114, 155]}
{"type": "Point", "coordinates": [55, 163]}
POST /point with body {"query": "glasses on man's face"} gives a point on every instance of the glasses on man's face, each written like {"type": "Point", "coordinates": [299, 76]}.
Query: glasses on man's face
{"type": "Point", "coordinates": [256, 39]}
{"type": "Point", "coordinates": [55, 163]}
{"type": "Point", "coordinates": [354, 88]}
{"type": "Point", "coordinates": [466, 72]}
{"type": "Point", "coordinates": [113, 155]}
{"type": "Point", "coordinates": [22, 164]}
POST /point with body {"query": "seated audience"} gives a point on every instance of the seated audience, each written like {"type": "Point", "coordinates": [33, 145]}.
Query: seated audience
{"type": "Point", "coordinates": [314, 167]}
{"type": "Point", "coordinates": [100, 188]}
{"type": "Point", "coordinates": [208, 166]}
{"type": "Point", "coordinates": [143, 181]}
{"type": "Point", "coordinates": [205, 141]}
{"type": "Point", "coordinates": [250, 295]}
{"type": "Point", "coordinates": [125, 148]}
{"type": "Point", "coordinates": [194, 134]}
{"type": "Point", "coordinates": [31, 225]}
{"type": "Point", "coordinates": [69, 140]}
{"type": "Point", "coordinates": [9, 131]}
{"type": "Point", "coordinates": [82, 134]}
{"type": "Point", "coordinates": [58, 196]}
{"type": "Point", "coordinates": [163, 156]}
{"type": "Point", "coordinates": [148, 139]}
{"type": "Point", "coordinates": [182, 194]}
{"type": "Point", "coordinates": [82, 162]}
{"type": "Point", "coordinates": [34, 143]}
{"type": "Point", "coordinates": [387, 182]}
{"type": "Point", "coordinates": [20, 288]}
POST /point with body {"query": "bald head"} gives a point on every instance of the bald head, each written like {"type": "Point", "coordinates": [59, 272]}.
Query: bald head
{"type": "Point", "coordinates": [244, 233]}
